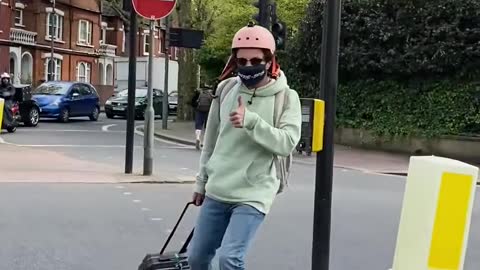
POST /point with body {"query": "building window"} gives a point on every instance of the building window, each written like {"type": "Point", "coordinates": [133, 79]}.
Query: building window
{"type": "Point", "coordinates": [57, 69]}
{"type": "Point", "coordinates": [83, 72]}
{"type": "Point", "coordinates": [18, 17]}
{"type": "Point", "coordinates": [55, 23]}
{"type": "Point", "coordinates": [85, 32]}
{"type": "Point", "coordinates": [146, 44]}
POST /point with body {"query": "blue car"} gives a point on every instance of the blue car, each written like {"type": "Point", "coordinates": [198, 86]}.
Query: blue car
{"type": "Point", "coordinates": [62, 100]}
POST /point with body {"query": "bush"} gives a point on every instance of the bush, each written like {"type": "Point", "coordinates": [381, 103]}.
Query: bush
{"type": "Point", "coordinates": [404, 67]}
{"type": "Point", "coordinates": [432, 109]}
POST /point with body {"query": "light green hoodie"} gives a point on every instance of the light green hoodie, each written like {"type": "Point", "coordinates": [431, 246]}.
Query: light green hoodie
{"type": "Point", "coordinates": [236, 164]}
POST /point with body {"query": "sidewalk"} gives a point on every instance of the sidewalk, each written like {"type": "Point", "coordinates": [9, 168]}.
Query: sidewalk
{"type": "Point", "coordinates": [33, 165]}
{"type": "Point", "coordinates": [345, 157]}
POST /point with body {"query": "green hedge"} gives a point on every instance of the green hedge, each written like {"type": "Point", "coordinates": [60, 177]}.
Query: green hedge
{"type": "Point", "coordinates": [405, 65]}
{"type": "Point", "coordinates": [387, 107]}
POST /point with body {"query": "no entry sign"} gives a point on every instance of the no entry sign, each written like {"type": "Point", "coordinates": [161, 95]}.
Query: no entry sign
{"type": "Point", "coordinates": [154, 9]}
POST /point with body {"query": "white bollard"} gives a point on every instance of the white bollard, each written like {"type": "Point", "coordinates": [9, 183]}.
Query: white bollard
{"type": "Point", "coordinates": [436, 214]}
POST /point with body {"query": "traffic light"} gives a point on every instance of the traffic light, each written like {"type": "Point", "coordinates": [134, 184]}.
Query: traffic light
{"type": "Point", "coordinates": [279, 31]}
{"type": "Point", "coordinates": [262, 17]}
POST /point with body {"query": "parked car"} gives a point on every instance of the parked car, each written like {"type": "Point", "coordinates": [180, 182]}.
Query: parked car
{"type": "Point", "coordinates": [117, 105]}
{"type": "Point", "coordinates": [62, 100]}
{"type": "Point", "coordinates": [29, 109]}
{"type": "Point", "coordinates": [173, 102]}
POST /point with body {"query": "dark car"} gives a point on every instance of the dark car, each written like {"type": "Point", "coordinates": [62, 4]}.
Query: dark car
{"type": "Point", "coordinates": [29, 109]}
{"type": "Point", "coordinates": [62, 100]}
{"type": "Point", "coordinates": [117, 105]}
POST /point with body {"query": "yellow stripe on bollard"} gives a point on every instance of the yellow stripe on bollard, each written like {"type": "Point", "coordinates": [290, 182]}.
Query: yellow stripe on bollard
{"type": "Point", "coordinates": [436, 214]}
{"type": "Point", "coordinates": [451, 219]}
{"type": "Point", "coordinates": [2, 104]}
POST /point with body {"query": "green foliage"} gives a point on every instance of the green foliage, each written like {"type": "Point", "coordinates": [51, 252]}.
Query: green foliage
{"type": "Point", "coordinates": [431, 109]}
{"type": "Point", "coordinates": [228, 16]}
{"type": "Point", "coordinates": [404, 65]}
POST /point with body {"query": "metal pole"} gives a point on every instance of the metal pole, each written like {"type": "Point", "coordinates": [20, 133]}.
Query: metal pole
{"type": "Point", "coordinates": [132, 78]}
{"type": "Point", "coordinates": [149, 113]}
{"type": "Point", "coordinates": [50, 76]}
{"type": "Point", "coordinates": [324, 170]}
{"type": "Point", "coordinates": [167, 60]}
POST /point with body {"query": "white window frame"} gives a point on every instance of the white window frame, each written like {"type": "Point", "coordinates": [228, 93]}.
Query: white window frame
{"type": "Point", "coordinates": [20, 23]}
{"type": "Point", "coordinates": [85, 78]}
{"type": "Point", "coordinates": [58, 28]}
{"type": "Point", "coordinates": [57, 68]}
{"type": "Point", "coordinates": [146, 42]}
{"type": "Point", "coordinates": [103, 33]}
{"type": "Point", "coordinates": [88, 39]}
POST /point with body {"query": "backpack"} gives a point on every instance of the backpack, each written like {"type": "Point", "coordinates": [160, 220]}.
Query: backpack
{"type": "Point", "coordinates": [282, 164]}
{"type": "Point", "coordinates": [204, 101]}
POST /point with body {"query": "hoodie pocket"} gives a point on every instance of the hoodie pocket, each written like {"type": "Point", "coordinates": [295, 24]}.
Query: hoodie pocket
{"type": "Point", "coordinates": [258, 170]}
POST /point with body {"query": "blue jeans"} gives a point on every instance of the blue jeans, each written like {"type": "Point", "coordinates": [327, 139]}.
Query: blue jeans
{"type": "Point", "coordinates": [230, 227]}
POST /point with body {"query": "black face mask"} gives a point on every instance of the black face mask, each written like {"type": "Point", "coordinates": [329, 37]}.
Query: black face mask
{"type": "Point", "coordinates": [252, 75]}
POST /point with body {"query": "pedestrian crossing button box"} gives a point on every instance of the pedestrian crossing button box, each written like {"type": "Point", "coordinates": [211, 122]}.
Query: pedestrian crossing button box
{"type": "Point", "coordinates": [313, 122]}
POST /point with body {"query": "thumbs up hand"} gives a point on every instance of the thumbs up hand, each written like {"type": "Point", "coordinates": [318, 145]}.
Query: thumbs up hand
{"type": "Point", "coordinates": [237, 116]}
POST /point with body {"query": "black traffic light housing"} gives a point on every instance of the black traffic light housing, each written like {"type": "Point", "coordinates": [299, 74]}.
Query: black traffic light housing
{"type": "Point", "coordinates": [262, 17]}
{"type": "Point", "coordinates": [279, 31]}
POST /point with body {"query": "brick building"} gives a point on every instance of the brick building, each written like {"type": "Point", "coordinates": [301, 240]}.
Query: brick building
{"type": "Point", "coordinates": [79, 52]}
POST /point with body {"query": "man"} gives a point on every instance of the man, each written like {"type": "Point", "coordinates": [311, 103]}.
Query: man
{"type": "Point", "coordinates": [201, 102]}
{"type": "Point", "coordinates": [237, 182]}
{"type": "Point", "coordinates": [7, 92]}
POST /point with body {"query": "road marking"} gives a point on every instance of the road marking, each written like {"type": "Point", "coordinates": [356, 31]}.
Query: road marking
{"type": "Point", "coordinates": [2, 140]}
{"type": "Point", "coordinates": [184, 169]}
{"type": "Point", "coordinates": [76, 145]}
{"type": "Point", "coordinates": [136, 201]}
{"type": "Point", "coordinates": [70, 130]}
{"type": "Point", "coordinates": [127, 193]}
{"type": "Point", "coordinates": [106, 127]}
{"type": "Point", "coordinates": [120, 187]}
{"type": "Point", "coordinates": [144, 209]}
{"type": "Point", "coordinates": [156, 219]}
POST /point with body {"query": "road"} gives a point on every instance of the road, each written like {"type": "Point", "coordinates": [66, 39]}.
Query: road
{"type": "Point", "coordinates": [112, 226]}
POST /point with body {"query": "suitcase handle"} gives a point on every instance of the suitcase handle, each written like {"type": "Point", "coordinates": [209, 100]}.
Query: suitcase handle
{"type": "Point", "coordinates": [184, 247]}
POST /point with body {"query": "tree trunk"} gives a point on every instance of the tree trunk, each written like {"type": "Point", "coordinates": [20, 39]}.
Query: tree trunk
{"type": "Point", "coordinates": [187, 67]}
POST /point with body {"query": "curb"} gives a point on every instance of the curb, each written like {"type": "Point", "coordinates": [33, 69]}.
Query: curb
{"type": "Point", "coordinates": [173, 139]}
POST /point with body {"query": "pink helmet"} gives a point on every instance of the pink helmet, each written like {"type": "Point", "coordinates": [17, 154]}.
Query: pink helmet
{"type": "Point", "coordinates": [254, 36]}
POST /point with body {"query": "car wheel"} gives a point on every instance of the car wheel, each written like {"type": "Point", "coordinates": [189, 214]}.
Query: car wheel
{"type": "Point", "coordinates": [95, 114]}
{"type": "Point", "coordinates": [110, 116]}
{"type": "Point", "coordinates": [33, 117]}
{"type": "Point", "coordinates": [64, 115]}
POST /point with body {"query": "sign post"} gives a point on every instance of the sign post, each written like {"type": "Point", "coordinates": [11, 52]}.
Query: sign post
{"type": "Point", "coordinates": [152, 10]}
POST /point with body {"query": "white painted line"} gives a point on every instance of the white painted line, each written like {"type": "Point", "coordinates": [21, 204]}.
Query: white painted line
{"type": "Point", "coordinates": [106, 127]}
{"type": "Point", "coordinates": [136, 201]}
{"type": "Point", "coordinates": [184, 169]}
{"type": "Point", "coordinates": [156, 219]}
{"type": "Point", "coordinates": [2, 140]}
{"type": "Point", "coordinates": [144, 209]}
{"type": "Point", "coordinates": [169, 231]}
{"type": "Point", "coordinates": [120, 187]}
{"type": "Point", "coordinates": [77, 145]}
{"type": "Point", "coordinates": [127, 193]}
{"type": "Point", "coordinates": [70, 130]}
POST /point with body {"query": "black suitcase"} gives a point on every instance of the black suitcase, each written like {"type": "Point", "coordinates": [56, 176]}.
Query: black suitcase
{"type": "Point", "coordinates": [169, 260]}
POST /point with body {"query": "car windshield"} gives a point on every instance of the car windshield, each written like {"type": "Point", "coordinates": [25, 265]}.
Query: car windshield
{"type": "Point", "coordinates": [139, 93]}
{"type": "Point", "coordinates": [58, 89]}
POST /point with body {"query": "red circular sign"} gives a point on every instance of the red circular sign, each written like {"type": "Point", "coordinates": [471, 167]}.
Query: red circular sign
{"type": "Point", "coordinates": [154, 9]}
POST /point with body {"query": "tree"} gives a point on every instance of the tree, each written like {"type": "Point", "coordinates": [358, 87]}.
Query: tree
{"type": "Point", "coordinates": [187, 66]}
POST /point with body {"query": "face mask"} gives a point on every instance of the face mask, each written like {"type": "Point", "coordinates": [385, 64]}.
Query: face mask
{"type": "Point", "coordinates": [252, 75]}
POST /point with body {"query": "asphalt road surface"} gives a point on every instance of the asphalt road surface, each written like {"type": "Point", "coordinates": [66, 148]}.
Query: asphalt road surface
{"type": "Point", "coordinates": [112, 226]}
